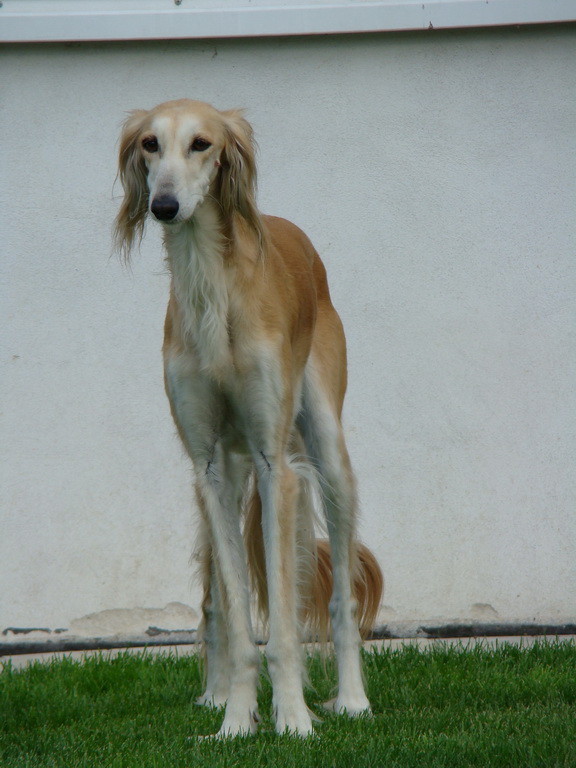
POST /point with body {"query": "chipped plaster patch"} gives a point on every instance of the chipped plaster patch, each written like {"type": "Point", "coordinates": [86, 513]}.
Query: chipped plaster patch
{"type": "Point", "coordinates": [134, 621]}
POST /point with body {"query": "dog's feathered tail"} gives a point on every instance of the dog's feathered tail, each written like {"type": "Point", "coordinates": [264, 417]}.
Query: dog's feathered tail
{"type": "Point", "coordinates": [314, 571]}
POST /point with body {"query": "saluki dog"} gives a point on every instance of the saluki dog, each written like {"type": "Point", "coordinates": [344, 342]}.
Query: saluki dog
{"type": "Point", "coordinates": [255, 371]}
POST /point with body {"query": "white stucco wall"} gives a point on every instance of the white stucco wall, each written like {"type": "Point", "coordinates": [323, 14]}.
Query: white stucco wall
{"type": "Point", "coordinates": [436, 174]}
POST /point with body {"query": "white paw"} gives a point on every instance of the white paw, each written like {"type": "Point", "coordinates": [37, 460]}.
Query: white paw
{"type": "Point", "coordinates": [295, 720]}
{"type": "Point", "coordinates": [351, 706]}
{"type": "Point", "coordinates": [214, 700]}
{"type": "Point", "coordinates": [239, 722]}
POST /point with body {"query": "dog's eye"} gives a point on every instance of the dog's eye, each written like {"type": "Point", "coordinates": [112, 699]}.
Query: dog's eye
{"type": "Point", "coordinates": [150, 144]}
{"type": "Point", "coordinates": [200, 145]}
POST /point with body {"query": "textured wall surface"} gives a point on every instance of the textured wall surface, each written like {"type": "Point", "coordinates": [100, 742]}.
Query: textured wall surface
{"type": "Point", "coordinates": [436, 174]}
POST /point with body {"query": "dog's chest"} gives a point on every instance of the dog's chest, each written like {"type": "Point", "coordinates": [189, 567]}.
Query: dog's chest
{"type": "Point", "coordinates": [204, 287]}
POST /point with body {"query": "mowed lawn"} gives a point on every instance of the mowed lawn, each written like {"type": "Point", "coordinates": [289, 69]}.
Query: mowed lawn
{"type": "Point", "coordinates": [446, 706]}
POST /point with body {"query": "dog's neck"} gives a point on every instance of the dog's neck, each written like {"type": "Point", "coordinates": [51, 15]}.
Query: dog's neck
{"type": "Point", "coordinates": [196, 256]}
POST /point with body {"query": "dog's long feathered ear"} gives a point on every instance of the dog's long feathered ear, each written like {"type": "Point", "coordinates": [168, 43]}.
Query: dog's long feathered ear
{"type": "Point", "coordinates": [238, 174]}
{"type": "Point", "coordinates": [129, 224]}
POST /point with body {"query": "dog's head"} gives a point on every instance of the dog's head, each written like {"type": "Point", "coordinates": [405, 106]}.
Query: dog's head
{"type": "Point", "coordinates": [174, 156]}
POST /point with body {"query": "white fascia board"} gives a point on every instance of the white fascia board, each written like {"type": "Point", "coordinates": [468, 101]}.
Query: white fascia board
{"type": "Point", "coordinates": [86, 20]}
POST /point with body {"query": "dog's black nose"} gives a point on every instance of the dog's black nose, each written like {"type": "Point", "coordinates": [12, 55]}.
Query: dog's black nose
{"type": "Point", "coordinates": [164, 207]}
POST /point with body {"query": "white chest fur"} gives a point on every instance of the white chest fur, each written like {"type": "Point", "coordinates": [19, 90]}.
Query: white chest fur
{"type": "Point", "coordinates": [202, 292]}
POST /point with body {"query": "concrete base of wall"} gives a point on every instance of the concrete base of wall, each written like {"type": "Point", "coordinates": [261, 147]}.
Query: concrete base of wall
{"type": "Point", "coordinates": [27, 642]}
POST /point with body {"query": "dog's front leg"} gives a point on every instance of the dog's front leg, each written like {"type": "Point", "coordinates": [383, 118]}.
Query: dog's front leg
{"type": "Point", "coordinates": [215, 631]}
{"type": "Point", "coordinates": [241, 715]}
{"type": "Point", "coordinates": [214, 635]}
{"type": "Point", "coordinates": [278, 487]}
{"type": "Point", "coordinates": [325, 444]}
{"type": "Point", "coordinates": [197, 408]}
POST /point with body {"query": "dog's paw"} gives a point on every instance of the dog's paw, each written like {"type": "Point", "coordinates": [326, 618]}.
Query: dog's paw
{"type": "Point", "coordinates": [208, 699]}
{"type": "Point", "coordinates": [294, 720]}
{"type": "Point", "coordinates": [236, 724]}
{"type": "Point", "coordinates": [353, 707]}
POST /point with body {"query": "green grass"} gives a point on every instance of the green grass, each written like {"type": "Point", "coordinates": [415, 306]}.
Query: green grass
{"type": "Point", "coordinates": [509, 706]}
